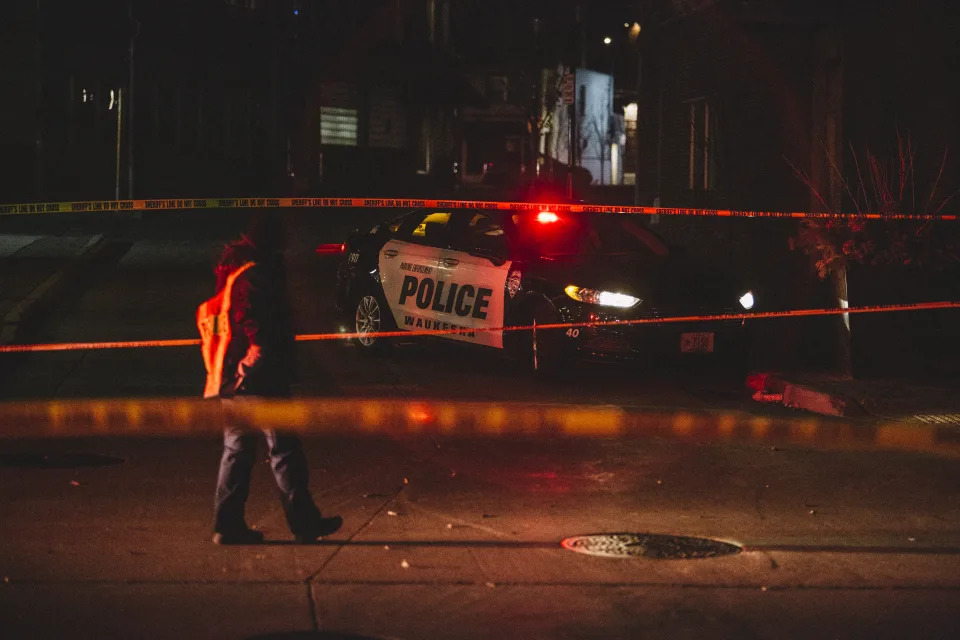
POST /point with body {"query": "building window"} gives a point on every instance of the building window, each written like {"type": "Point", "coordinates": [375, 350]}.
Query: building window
{"type": "Point", "coordinates": [702, 133]}
{"type": "Point", "coordinates": [338, 126]}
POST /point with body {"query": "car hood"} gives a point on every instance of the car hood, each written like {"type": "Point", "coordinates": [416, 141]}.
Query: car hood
{"type": "Point", "coordinates": [676, 284]}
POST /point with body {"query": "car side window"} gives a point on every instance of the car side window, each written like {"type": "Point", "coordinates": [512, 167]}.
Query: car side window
{"type": "Point", "coordinates": [393, 226]}
{"type": "Point", "coordinates": [426, 227]}
{"type": "Point", "coordinates": [479, 232]}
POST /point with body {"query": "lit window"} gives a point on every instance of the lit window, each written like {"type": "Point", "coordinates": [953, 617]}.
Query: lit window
{"type": "Point", "coordinates": [338, 126]}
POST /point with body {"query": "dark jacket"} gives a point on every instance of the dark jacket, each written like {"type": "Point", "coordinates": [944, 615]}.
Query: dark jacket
{"type": "Point", "coordinates": [260, 358]}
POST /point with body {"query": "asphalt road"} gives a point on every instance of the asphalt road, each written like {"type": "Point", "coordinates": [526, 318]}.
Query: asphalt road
{"type": "Point", "coordinates": [154, 288]}
{"type": "Point", "coordinates": [445, 537]}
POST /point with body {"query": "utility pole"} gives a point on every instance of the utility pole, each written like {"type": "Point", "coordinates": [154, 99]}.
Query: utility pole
{"type": "Point", "coordinates": [116, 191]}
{"type": "Point", "coordinates": [574, 133]}
{"type": "Point", "coordinates": [638, 156]}
{"type": "Point", "coordinates": [575, 106]}
{"type": "Point", "coordinates": [38, 112]}
{"type": "Point", "coordinates": [134, 31]}
{"type": "Point", "coordinates": [582, 37]}
{"type": "Point", "coordinates": [569, 98]}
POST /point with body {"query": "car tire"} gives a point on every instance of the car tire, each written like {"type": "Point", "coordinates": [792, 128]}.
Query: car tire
{"type": "Point", "coordinates": [540, 351]}
{"type": "Point", "coordinates": [370, 315]}
{"type": "Point", "coordinates": [740, 360]}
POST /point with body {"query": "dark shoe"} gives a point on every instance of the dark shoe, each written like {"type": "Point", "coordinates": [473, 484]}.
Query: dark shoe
{"type": "Point", "coordinates": [320, 527]}
{"type": "Point", "coordinates": [240, 536]}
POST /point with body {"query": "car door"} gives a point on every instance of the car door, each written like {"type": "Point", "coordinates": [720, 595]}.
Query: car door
{"type": "Point", "coordinates": [474, 270]}
{"type": "Point", "coordinates": [408, 267]}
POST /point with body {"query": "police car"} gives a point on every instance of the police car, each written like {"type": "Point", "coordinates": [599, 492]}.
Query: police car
{"type": "Point", "coordinates": [473, 269]}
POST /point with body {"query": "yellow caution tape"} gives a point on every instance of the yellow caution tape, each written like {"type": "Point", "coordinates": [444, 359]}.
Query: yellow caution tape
{"type": "Point", "coordinates": [166, 204]}
{"type": "Point", "coordinates": [366, 416]}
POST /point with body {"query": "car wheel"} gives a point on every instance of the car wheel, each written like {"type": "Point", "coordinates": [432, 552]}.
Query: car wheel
{"type": "Point", "coordinates": [371, 317]}
{"type": "Point", "coordinates": [739, 361]}
{"type": "Point", "coordinates": [540, 350]}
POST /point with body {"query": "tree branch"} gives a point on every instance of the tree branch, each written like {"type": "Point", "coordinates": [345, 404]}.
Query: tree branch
{"type": "Point", "coordinates": [806, 180]}
{"type": "Point", "coordinates": [936, 183]}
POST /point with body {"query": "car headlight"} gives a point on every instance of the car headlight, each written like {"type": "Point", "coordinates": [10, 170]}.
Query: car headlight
{"type": "Point", "coordinates": [746, 300]}
{"type": "Point", "coordinates": [604, 298]}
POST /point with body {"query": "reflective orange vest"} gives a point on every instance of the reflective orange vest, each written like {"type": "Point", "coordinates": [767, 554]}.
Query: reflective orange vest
{"type": "Point", "coordinates": [213, 320]}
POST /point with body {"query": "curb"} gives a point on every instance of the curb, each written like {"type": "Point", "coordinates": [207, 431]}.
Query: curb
{"type": "Point", "coordinates": [48, 290]}
{"type": "Point", "coordinates": [808, 398]}
{"type": "Point", "coordinates": [774, 387]}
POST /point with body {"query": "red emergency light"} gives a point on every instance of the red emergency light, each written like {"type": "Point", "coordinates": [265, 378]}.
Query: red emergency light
{"type": "Point", "coordinates": [546, 217]}
{"type": "Point", "coordinates": [325, 249]}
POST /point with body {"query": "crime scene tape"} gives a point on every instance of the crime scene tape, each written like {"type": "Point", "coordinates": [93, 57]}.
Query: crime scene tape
{"type": "Point", "coordinates": [166, 204]}
{"type": "Point", "coordinates": [312, 337]}
{"type": "Point", "coordinates": [190, 417]}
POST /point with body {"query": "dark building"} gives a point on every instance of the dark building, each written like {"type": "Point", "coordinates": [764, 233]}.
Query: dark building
{"type": "Point", "coordinates": [335, 96]}
{"type": "Point", "coordinates": [237, 97]}
{"type": "Point", "coordinates": [740, 96]}
{"type": "Point", "coordinates": [216, 97]}
{"type": "Point", "coordinates": [189, 88]}
{"type": "Point", "coordinates": [776, 105]}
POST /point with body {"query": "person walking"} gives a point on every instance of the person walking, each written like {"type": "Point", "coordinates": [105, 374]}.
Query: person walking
{"type": "Point", "coordinates": [248, 349]}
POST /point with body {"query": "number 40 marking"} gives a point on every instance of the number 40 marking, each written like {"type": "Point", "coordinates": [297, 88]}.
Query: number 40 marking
{"type": "Point", "coordinates": [573, 333]}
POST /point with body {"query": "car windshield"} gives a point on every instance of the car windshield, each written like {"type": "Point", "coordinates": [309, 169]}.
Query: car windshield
{"type": "Point", "coordinates": [545, 233]}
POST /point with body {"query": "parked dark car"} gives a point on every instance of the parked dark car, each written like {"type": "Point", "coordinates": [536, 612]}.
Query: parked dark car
{"type": "Point", "coordinates": [478, 269]}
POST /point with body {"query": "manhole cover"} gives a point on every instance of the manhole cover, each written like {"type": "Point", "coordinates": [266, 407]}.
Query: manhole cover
{"type": "Point", "coordinates": [649, 545]}
{"type": "Point", "coordinates": [56, 460]}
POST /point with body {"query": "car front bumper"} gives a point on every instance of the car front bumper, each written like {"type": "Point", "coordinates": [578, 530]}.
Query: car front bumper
{"type": "Point", "coordinates": [644, 340]}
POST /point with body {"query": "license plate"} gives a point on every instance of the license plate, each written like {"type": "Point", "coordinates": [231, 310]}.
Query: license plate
{"type": "Point", "coordinates": [696, 342]}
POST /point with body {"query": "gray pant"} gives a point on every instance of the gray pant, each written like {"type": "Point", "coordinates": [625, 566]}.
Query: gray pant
{"type": "Point", "coordinates": [289, 466]}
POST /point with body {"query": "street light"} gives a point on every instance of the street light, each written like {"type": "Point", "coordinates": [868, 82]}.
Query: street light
{"type": "Point", "coordinates": [607, 40]}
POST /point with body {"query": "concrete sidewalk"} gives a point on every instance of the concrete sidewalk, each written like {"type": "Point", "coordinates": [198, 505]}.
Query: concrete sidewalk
{"type": "Point", "coordinates": [460, 538]}
{"type": "Point", "coordinates": [35, 271]}
{"type": "Point", "coordinates": [929, 401]}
